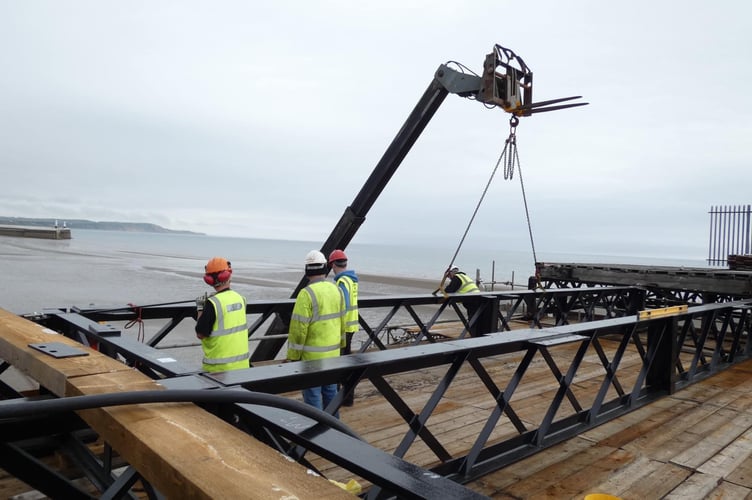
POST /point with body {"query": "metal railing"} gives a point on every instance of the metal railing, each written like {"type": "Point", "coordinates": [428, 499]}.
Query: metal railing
{"type": "Point", "coordinates": [730, 233]}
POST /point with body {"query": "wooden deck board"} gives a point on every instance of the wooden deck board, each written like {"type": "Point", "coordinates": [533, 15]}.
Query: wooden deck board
{"type": "Point", "coordinates": [691, 445]}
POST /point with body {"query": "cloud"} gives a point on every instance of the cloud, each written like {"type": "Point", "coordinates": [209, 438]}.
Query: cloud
{"type": "Point", "coordinates": [265, 120]}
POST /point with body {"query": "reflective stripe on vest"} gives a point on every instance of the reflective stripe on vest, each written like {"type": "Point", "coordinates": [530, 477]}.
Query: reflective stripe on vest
{"type": "Point", "coordinates": [350, 288]}
{"type": "Point", "coordinates": [221, 361]}
{"type": "Point", "coordinates": [314, 348]}
{"type": "Point", "coordinates": [468, 285]}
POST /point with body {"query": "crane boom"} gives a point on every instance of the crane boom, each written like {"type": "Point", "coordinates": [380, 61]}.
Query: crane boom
{"type": "Point", "coordinates": [510, 89]}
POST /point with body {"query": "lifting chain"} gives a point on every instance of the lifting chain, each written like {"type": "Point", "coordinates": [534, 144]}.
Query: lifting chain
{"type": "Point", "coordinates": [508, 158]}
{"type": "Point", "coordinates": [510, 147]}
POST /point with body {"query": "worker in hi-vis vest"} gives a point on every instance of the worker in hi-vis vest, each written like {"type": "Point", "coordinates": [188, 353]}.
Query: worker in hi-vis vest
{"type": "Point", "coordinates": [221, 321]}
{"type": "Point", "coordinates": [347, 281]}
{"type": "Point", "coordinates": [317, 325]}
{"type": "Point", "coordinates": [460, 282]}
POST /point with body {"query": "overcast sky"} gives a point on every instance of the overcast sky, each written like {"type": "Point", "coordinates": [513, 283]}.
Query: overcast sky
{"type": "Point", "coordinates": [264, 119]}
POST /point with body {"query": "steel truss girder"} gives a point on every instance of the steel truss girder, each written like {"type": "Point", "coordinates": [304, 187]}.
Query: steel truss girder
{"type": "Point", "coordinates": [656, 341]}
{"type": "Point", "coordinates": [675, 351]}
{"type": "Point", "coordinates": [86, 325]}
{"type": "Point", "coordinates": [21, 444]}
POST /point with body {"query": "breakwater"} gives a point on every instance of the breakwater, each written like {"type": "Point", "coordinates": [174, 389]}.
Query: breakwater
{"type": "Point", "coordinates": [48, 233]}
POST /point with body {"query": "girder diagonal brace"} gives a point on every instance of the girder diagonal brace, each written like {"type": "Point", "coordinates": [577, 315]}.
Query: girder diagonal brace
{"type": "Point", "coordinates": [382, 469]}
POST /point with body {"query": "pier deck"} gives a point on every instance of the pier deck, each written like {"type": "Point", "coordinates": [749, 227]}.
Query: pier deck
{"type": "Point", "coordinates": [694, 444]}
{"type": "Point", "coordinates": [431, 403]}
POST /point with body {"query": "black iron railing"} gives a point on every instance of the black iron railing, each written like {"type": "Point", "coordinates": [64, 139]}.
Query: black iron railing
{"type": "Point", "coordinates": [730, 233]}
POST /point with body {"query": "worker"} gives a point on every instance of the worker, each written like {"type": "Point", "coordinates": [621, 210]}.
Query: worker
{"type": "Point", "coordinates": [460, 282]}
{"type": "Point", "coordinates": [317, 325]}
{"type": "Point", "coordinates": [221, 321]}
{"type": "Point", "coordinates": [347, 281]}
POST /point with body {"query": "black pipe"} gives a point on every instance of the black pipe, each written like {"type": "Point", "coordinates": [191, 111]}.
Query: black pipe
{"type": "Point", "coordinates": [26, 407]}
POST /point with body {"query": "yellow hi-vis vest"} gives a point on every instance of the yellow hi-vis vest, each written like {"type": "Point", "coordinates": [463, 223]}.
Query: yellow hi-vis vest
{"type": "Point", "coordinates": [226, 348]}
{"type": "Point", "coordinates": [350, 288]}
{"type": "Point", "coordinates": [317, 324]}
{"type": "Point", "coordinates": [468, 284]}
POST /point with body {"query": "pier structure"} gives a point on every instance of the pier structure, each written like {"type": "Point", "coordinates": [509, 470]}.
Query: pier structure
{"type": "Point", "coordinates": [47, 233]}
{"type": "Point", "coordinates": [566, 373]}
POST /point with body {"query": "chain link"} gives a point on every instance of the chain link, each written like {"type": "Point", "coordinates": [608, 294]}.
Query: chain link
{"type": "Point", "coordinates": [508, 158]}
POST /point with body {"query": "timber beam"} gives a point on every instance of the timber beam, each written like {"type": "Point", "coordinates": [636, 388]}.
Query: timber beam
{"type": "Point", "coordinates": [180, 449]}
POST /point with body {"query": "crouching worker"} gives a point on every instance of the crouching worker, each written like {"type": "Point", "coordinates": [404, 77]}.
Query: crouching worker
{"type": "Point", "coordinates": [221, 321]}
{"type": "Point", "coordinates": [460, 282]}
{"type": "Point", "coordinates": [317, 325]}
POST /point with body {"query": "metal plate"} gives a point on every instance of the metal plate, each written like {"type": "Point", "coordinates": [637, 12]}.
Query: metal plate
{"type": "Point", "coordinates": [58, 350]}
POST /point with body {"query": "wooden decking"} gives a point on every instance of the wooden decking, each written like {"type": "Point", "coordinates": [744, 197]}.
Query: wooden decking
{"type": "Point", "coordinates": [696, 443]}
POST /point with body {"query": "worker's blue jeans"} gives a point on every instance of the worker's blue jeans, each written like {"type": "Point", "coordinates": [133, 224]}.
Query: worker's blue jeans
{"type": "Point", "coordinates": [314, 395]}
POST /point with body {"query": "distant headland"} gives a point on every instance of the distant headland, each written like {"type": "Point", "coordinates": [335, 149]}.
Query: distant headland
{"type": "Point", "coordinates": [140, 227]}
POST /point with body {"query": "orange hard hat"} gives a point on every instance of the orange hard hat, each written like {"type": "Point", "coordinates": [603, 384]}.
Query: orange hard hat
{"type": "Point", "coordinates": [217, 265]}
{"type": "Point", "coordinates": [337, 255]}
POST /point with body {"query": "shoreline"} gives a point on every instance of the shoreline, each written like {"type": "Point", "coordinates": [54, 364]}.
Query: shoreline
{"type": "Point", "coordinates": [292, 277]}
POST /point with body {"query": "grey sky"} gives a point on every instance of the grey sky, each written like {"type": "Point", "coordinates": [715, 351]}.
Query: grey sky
{"type": "Point", "coordinates": [264, 119]}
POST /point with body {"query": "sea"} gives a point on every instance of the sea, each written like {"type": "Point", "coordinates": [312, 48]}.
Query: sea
{"type": "Point", "coordinates": [102, 268]}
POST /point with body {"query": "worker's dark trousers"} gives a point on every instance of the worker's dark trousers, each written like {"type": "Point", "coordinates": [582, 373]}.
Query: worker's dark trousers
{"type": "Point", "coordinates": [349, 400]}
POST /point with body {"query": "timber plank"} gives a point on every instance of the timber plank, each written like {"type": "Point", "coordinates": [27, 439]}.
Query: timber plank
{"type": "Point", "coordinates": [544, 483]}
{"type": "Point", "coordinates": [663, 442]}
{"type": "Point", "coordinates": [184, 451]}
{"type": "Point", "coordinates": [712, 442]}
{"type": "Point", "coordinates": [578, 484]}
{"type": "Point", "coordinates": [48, 371]}
{"type": "Point", "coordinates": [527, 467]}
{"type": "Point", "coordinates": [631, 426]}
{"type": "Point", "coordinates": [727, 490]}
{"type": "Point", "coordinates": [742, 474]}
{"type": "Point", "coordinates": [656, 481]}
{"type": "Point", "coordinates": [697, 485]}
{"type": "Point", "coordinates": [622, 478]}
{"type": "Point", "coordinates": [731, 457]}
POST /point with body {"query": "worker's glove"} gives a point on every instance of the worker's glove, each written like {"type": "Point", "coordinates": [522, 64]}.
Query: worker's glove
{"type": "Point", "coordinates": [201, 302]}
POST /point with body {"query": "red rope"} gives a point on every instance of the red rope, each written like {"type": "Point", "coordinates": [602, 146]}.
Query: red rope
{"type": "Point", "coordinates": [139, 321]}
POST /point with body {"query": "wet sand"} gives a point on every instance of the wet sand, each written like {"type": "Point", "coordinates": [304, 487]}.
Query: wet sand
{"type": "Point", "coordinates": [290, 279]}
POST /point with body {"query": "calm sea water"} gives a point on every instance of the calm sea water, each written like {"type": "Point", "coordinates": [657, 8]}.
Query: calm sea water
{"type": "Point", "coordinates": [111, 267]}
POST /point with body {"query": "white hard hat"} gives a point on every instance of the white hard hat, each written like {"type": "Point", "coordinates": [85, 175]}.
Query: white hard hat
{"type": "Point", "coordinates": [315, 257]}
{"type": "Point", "coordinates": [315, 263]}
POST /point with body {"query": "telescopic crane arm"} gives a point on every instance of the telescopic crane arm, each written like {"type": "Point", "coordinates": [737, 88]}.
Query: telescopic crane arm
{"type": "Point", "coordinates": [506, 82]}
